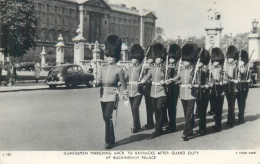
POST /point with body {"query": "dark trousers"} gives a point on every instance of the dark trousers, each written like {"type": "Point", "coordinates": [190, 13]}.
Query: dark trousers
{"type": "Point", "coordinates": [241, 102]}
{"type": "Point", "coordinates": [202, 105]}
{"type": "Point", "coordinates": [171, 104]}
{"type": "Point", "coordinates": [218, 101]}
{"type": "Point", "coordinates": [158, 105]}
{"type": "Point", "coordinates": [107, 110]}
{"type": "Point", "coordinates": [135, 103]}
{"type": "Point", "coordinates": [231, 98]}
{"type": "Point", "coordinates": [212, 105]}
{"type": "Point", "coordinates": [188, 107]}
{"type": "Point", "coordinates": [149, 110]}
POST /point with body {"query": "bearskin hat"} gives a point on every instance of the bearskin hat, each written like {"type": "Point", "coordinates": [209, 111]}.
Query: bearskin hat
{"type": "Point", "coordinates": [137, 52]}
{"type": "Point", "coordinates": [232, 52]}
{"type": "Point", "coordinates": [174, 52]}
{"type": "Point", "coordinates": [217, 55]}
{"type": "Point", "coordinates": [149, 53]}
{"type": "Point", "coordinates": [204, 56]}
{"type": "Point", "coordinates": [244, 56]}
{"type": "Point", "coordinates": [190, 53]}
{"type": "Point", "coordinates": [113, 46]}
{"type": "Point", "coordinates": [159, 51]}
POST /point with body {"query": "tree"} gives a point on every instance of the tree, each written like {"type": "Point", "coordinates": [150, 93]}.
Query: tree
{"type": "Point", "coordinates": [159, 33]}
{"type": "Point", "coordinates": [18, 21]}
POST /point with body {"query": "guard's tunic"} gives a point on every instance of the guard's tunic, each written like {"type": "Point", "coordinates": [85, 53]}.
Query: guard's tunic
{"type": "Point", "coordinates": [231, 91]}
{"type": "Point", "coordinates": [203, 96]}
{"type": "Point", "coordinates": [158, 94]}
{"type": "Point", "coordinates": [108, 78]}
{"type": "Point", "coordinates": [134, 93]}
{"type": "Point", "coordinates": [188, 96]}
{"type": "Point", "coordinates": [217, 93]}
{"type": "Point", "coordinates": [172, 97]}
{"type": "Point", "coordinates": [243, 88]}
{"type": "Point", "coordinates": [148, 100]}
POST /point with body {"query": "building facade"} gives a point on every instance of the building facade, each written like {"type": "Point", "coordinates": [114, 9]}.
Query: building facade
{"type": "Point", "coordinates": [97, 18]}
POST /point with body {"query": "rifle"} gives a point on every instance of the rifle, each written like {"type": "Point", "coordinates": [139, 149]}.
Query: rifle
{"type": "Point", "coordinates": [247, 76]}
{"type": "Point", "coordinates": [167, 62]}
{"type": "Point", "coordinates": [180, 61]}
{"type": "Point", "coordinates": [197, 65]}
{"type": "Point", "coordinates": [225, 63]}
{"type": "Point", "coordinates": [239, 59]}
{"type": "Point", "coordinates": [210, 53]}
{"type": "Point", "coordinates": [145, 58]}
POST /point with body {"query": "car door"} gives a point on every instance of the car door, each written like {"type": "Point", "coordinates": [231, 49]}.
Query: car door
{"type": "Point", "coordinates": [69, 75]}
{"type": "Point", "coordinates": [80, 75]}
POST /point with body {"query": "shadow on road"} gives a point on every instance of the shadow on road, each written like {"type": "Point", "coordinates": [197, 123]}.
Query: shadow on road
{"type": "Point", "coordinates": [131, 139]}
{"type": "Point", "coordinates": [211, 129]}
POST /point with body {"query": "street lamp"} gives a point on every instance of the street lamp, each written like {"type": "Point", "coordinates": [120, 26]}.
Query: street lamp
{"type": "Point", "coordinates": [254, 24]}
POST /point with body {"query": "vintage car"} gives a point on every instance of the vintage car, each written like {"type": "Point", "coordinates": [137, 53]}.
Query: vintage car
{"type": "Point", "coordinates": [70, 75]}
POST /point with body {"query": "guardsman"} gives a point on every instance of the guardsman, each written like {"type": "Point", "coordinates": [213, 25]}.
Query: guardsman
{"type": "Point", "coordinates": [231, 80]}
{"type": "Point", "coordinates": [188, 93]}
{"type": "Point", "coordinates": [216, 84]}
{"type": "Point", "coordinates": [147, 90]}
{"type": "Point", "coordinates": [203, 90]}
{"type": "Point", "coordinates": [243, 85]}
{"type": "Point", "coordinates": [158, 93]}
{"type": "Point", "coordinates": [174, 55]}
{"type": "Point", "coordinates": [108, 78]}
{"type": "Point", "coordinates": [134, 90]}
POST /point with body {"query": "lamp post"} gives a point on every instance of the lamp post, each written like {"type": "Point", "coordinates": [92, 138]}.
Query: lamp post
{"type": "Point", "coordinates": [254, 24]}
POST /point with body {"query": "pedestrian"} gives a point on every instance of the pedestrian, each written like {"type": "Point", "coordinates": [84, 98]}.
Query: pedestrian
{"type": "Point", "coordinates": [37, 72]}
{"type": "Point", "coordinates": [90, 69]}
{"type": "Point", "coordinates": [147, 90]}
{"type": "Point", "coordinates": [243, 85]}
{"type": "Point", "coordinates": [232, 81]}
{"type": "Point", "coordinates": [134, 90]}
{"type": "Point", "coordinates": [216, 85]}
{"type": "Point", "coordinates": [158, 93]}
{"type": "Point", "coordinates": [11, 74]}
{"type": "Point", "coordinates": [203, 90]}
{"type": "Point", "coordinates": [1, 73]}
{"type": "Point", "coordinates": [174, 55]}
{"type": "Point", "coordinates": [188, 93]}
{"type": "Point", "coordinates": [108, 79]}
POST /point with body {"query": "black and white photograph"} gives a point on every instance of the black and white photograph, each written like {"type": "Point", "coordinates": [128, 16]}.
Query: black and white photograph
{"type": "Point", "coordinates": [129, 81]}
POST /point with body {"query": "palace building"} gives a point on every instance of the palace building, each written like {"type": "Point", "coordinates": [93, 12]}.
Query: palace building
{"type": "Point", "coordinates": [97, 19]}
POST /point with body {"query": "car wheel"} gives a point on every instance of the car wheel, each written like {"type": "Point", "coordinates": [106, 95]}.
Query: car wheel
{"type": "Point", "coordinates": [52, 86]}
{"type": "Point", "coordinates": [90, 83]}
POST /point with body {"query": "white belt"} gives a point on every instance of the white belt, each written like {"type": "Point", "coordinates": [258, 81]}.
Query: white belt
{"type": "Point", "coordinates": [132, 82]}
{"type": "Point", "coordinates": [185, 85]}
{"type": "Point", "coordinates": [156, 83]}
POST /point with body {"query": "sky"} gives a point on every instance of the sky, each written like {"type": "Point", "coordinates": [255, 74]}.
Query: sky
{"type": "Point", "coordinates": [187, 18]}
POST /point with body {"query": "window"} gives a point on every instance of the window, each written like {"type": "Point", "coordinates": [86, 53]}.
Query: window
{"type": "Point", "coordinates": [80, 69]}
{"type": "Point", "coordinates": [70, 70]}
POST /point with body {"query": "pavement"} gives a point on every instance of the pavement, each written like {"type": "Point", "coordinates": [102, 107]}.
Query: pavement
{"type": "Point", "coordinates": [25, 85]}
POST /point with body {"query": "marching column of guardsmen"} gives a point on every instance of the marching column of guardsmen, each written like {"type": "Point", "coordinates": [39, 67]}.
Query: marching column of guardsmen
{"type": "Point", "coordinates": [193, 74]}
